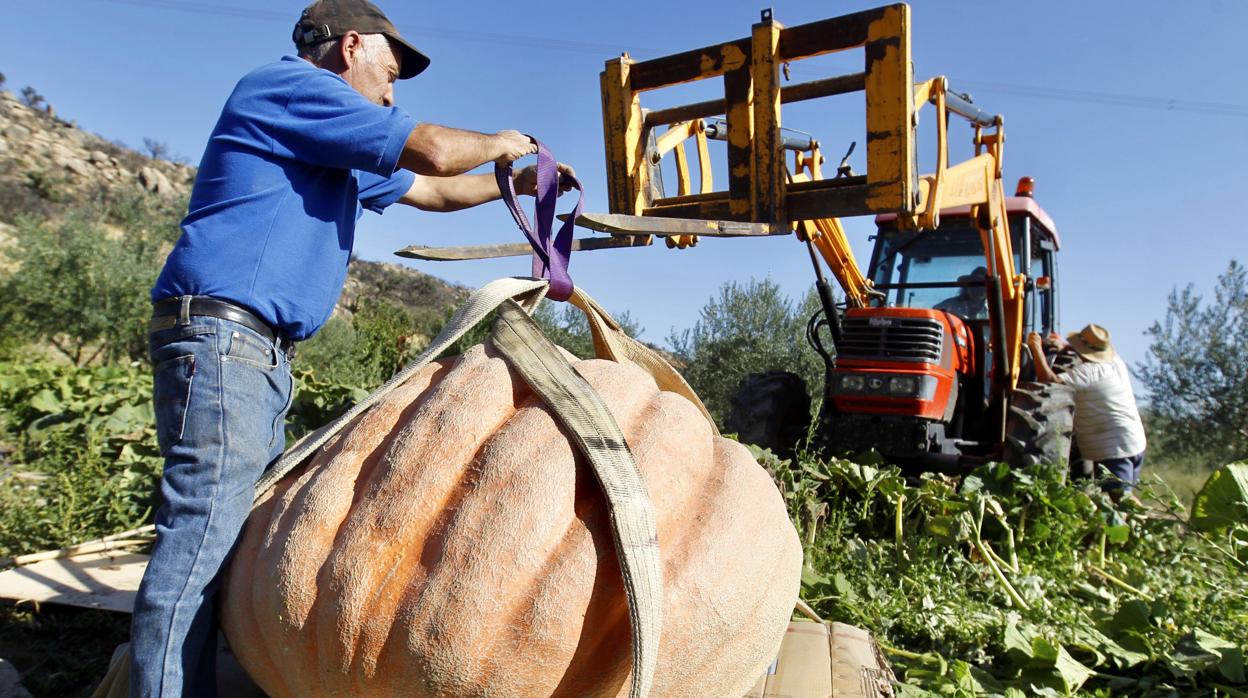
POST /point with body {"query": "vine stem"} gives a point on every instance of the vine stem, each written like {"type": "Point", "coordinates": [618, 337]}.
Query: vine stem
{"type": "Point", "coordinates": [1117, 582]}
{"type": "Point", "coordinates": [984, 552]}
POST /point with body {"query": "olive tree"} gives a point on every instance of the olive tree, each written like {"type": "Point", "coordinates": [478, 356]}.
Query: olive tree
{"type": "Point", "coordinates": [746, 328]}
{"type": "Point", "coordinates": [81, 282]}
{"type": "Point", "coordinates": [1196, 371]}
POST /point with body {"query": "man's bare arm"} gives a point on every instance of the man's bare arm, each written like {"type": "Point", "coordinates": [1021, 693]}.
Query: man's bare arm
{"type": "Point", "coordinates": [440, 151]}
{"type": "Point", "coordinates": [444, 194]}
{"type": "Point", "coordinates": [1043, 372]}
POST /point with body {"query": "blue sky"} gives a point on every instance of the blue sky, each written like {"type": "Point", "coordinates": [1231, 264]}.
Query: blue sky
{"type": "Point", "coordinates": [1130, 115]}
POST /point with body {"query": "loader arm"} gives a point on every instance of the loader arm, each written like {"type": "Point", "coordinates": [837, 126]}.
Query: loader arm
{"type": "Point", "coordinates": [977, 183]}
{"type": "Point", "coordinates": [828, 235]}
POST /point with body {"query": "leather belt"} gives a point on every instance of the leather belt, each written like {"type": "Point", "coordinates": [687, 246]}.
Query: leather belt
{"type": "Point", "coordinates": [171, 308]}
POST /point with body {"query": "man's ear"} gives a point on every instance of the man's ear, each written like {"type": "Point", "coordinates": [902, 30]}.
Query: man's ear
{"type": "Point", "coordinates": [348, 46]}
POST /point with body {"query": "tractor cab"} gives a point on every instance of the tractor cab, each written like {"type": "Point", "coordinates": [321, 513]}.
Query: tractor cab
{"type": "Point", "coordinates": [914, 368]}
{"type": "Point", "coordinates": [944, 269]}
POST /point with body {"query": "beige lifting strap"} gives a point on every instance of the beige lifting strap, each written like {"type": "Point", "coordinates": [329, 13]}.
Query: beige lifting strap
{"type": "Point", "coordinates": [611, 342]}
{"type": "Point", "coordinates": [595, 432]}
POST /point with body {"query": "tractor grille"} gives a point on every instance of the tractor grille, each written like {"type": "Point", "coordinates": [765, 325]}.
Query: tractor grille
{"type": "Point", "coordinates": [900, 339]}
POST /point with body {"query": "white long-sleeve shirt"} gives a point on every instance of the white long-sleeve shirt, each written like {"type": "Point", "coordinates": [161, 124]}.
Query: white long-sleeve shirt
{"type": "Point", "coordinates": [1107, 421]}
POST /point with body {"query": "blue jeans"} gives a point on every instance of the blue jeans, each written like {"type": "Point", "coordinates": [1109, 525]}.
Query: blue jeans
{"type": "Point", "coordinates": [1124, 473]}
{"type": "Point", "coordinates": [221, 395]}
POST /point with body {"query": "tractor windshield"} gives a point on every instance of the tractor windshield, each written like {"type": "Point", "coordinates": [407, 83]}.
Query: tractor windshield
{"type": "Point", "coordinates": [942, 269]}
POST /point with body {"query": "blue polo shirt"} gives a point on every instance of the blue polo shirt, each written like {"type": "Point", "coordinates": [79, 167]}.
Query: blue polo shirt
{"type": "Point", "coordinates": [294, 160]}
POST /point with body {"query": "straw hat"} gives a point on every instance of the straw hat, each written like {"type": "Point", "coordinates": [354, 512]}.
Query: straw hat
{"type": "Point", "coordinates": [1092, 343]}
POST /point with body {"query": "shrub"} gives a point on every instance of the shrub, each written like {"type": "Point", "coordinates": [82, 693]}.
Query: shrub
{"type": "Point", "coordinates": [748, 328]}
{"type": "Point", "coordinates": [363, 351]}
{"type": "Point", "coordinates": [83, 286]}
{"type": "Point", "coordinates": [84, 461]}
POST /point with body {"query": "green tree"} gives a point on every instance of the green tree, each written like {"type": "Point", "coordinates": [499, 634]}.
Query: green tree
{"type": "Point", "coordinates": [1196, 371]}
{"type": "Point", "coordinates": [81, 281]}
{"type": "Point", "coordinates": [32, 98]}
{"type": "Point", "coordinates": [748, 328]}
{"type": "Point", "coordinates": [363, 351]}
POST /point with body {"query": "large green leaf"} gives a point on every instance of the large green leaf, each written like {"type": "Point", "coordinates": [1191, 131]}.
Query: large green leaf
{"type": "Point", "coordinates": [1223, 501]}
{"type": "Point", "coordinates": [1096, 641]}
{"type": "Point", "coordinates": [47, 402]}
{"type": "Point", "coordinates": [1198, 651]}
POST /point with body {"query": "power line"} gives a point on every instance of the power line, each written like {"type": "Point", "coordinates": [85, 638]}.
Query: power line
{"type": "Point", "coordinates": [1159, 103]}
{"type": "Point", "coordinates": [1109, 98]}
{"type": "Point", "coordinates": [538, 42]}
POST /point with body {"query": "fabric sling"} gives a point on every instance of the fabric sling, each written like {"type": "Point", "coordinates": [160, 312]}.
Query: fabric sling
{"type": "Point", "coordinates": [551, 252]}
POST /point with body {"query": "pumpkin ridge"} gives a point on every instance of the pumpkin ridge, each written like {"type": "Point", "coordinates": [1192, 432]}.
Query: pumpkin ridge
{"type": "Point", "coordinates": [717, 511]}
{"type": "Point", "coordinates": [410, 574]}
{"type": "Point", "coordinates": [679, 490]}
{"type": "Point", "coordinates": [500, 475]}
{"type": "Point", "coordinates": [606, 622]}
{"type": "Point", "coordinates": [247, 624]}
{"type": "Point", "coordinates": [756, 612]}
{"type": "Point", "coordinates": [494, 474]}
{"type": "Point", "coordinates": [400, 498]}
{"type": "Point", "coordinates": [578, 532]}
{"type": "Point", "coordinates": [647, 434]}
{"type": "Point", "coordinates": [308, 511]}
{"type": "Point", "coordinates": [391, 613]}
{"type": "Point", "coordinates": [743, 622]}
{"type": "Point", "coordinates": [437, 532]}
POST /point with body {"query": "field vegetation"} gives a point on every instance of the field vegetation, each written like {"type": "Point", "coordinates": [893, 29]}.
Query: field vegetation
{"type": "Point", "coordinates": [1002, 582]}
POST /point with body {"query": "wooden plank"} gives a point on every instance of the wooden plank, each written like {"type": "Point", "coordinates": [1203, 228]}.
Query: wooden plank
{"type": "Point", "coordinates": [105, 580]}
{"type": "Point", "coordinates": [700, 63]}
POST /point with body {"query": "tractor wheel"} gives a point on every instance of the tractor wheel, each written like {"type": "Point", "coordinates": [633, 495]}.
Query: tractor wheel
{"type": "Point", "coordinates": [1039, 424]}
{"type": "Point", "coordinates": [770, 410]}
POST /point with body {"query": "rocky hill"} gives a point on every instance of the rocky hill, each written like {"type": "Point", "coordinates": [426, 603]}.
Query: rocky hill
{"type": "Point", "coordinates": [47, 162]}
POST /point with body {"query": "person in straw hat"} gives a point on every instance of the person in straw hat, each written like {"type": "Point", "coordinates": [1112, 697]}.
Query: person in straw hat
{"type": "Point", "coordinates": [1107, 421]}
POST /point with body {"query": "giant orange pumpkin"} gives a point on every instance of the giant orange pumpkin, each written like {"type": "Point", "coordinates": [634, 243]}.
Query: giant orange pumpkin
{"type": "Point", "coordinates": [451, 542]}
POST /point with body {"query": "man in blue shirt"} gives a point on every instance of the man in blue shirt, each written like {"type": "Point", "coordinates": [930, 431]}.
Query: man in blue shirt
{"type": "Point", "coordinates": [302, 147]}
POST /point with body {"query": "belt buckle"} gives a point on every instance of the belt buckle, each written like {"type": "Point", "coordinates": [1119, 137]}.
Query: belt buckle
{"type": "Point", "coordinates": [162, 322]}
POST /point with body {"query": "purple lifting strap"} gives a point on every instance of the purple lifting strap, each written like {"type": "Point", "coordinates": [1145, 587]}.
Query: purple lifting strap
{"type": "Point", "coordinates": [550, 252]}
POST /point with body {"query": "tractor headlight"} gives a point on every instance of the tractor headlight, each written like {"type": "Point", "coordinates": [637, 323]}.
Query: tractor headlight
{"type": "Point", "coordinates": [852, 384]}
{"type": "Point", "coordinates": [903, 385]}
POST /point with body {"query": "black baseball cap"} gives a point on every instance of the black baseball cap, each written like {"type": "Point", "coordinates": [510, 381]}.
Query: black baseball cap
{"type": "Point", "coordinates": [324, 20]}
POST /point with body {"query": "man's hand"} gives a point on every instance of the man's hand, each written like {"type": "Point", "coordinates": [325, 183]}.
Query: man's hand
{"type": "Point", "coordinates": [526, 179]}
{"type": "Point", "coordinates": [1043, 372]}
{"type": "Point", "coordinates": [513, 145]}
{"type": "Point", "coordinates": [1035, 344]}
{"type": "Point", "coordinates": [1055, 342]}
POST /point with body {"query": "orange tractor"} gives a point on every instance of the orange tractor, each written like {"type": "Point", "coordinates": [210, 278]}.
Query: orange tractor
{"type": "Point", "coordinates": [924, 357]}
{"type": "Point", "coordinates": [924, 354]}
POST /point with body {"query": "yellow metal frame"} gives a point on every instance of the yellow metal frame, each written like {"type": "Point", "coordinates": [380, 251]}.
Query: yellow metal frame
{"type": "Point", "coordinates": [762, 189]}
{"type": "Point", "coordinates": [758, 190]}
